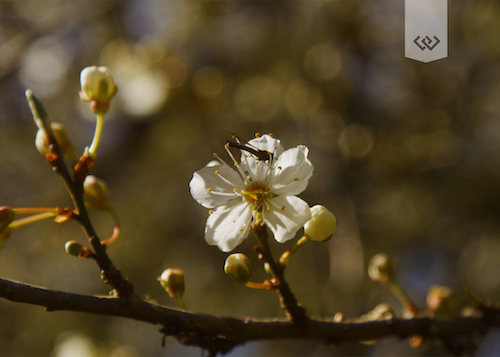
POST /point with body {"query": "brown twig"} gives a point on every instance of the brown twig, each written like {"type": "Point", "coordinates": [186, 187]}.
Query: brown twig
{"type": "Point", "coordinates": [109, 273]}
{"type": "Point", "coordinates": [220, 334]}
{"type": "Point", "coordinates": [295, 312]}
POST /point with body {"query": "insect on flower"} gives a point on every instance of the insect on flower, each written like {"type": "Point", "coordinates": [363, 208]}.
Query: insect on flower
{"type": "Point", "coordinates": [262, 155]}
{"type": "Point", "coordinates": [260, 188]}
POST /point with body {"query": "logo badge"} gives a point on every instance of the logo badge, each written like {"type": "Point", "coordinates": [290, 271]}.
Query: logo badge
{"type": "Point", "coordinates": [426, 30]}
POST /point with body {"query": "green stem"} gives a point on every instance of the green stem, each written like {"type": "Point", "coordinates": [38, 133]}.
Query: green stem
{"type": "Point", "coordinates": [97, 135]}
{"type": "Point", "coordinates": [285, 257]}
{"type": "Point", "coordinates": [31, 210]}
{"type": "Point", "coordinates": [252, 285]}
{"type": "Point", "coordinates": [31, 219]}
{"type": "Point", "coordinates": [403, 297]}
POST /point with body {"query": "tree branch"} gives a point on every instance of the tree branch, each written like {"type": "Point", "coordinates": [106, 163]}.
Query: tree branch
{"type": "Point", "coordinates": [294, 311]}
{"type": "Point", "coordinates": [221, 334]}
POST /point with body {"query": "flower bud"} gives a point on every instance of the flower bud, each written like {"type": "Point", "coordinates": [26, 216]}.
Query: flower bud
{"type": "Point", "coordinates": [74, 248]}
{"type": "Point", "coordinates": [322, 224]}
{"type": "Point", "coordinates": [267, 268]}
{"type": "Point", "coordinates": [238, 266]}
{"type": "Point", "coordinates": [7, 215]}
{"type": "Point", "coordinates": [96, 194]}
{"type": "Point", "coordinates": [440, 301]}
{"type": "Point", "coordinates": [62, 139]}
{"type": "Point", "coordinates": [172, 280]}
{"type": "Point", "coordinates": [97, 87]}
{"type": "Point", "coordinates": [381, 268]}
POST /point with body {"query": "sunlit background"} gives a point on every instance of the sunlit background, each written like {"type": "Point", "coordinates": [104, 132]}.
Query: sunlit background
{"type": "Point", "coordinates": [405, 154]}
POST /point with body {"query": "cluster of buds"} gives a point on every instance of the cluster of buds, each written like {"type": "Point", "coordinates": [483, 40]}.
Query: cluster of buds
{"type": "Point", "coordinates": [98, 88]}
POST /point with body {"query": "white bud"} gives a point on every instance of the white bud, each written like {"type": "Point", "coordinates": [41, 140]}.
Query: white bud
{"type": "Point", "coordinates": [97, 87]}
{"type": "Point", "coordinates": [322, 224]}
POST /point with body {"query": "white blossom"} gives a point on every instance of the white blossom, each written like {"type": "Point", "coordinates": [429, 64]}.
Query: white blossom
{"type": "Point", "coordinates": [257, 189]}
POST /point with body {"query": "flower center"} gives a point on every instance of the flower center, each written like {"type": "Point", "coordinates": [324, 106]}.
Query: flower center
{"type": "Point", "coordinates": [255, 194]}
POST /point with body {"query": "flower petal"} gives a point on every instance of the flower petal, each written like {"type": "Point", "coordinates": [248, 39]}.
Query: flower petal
{"type": "Point", "coordinates": [257, 169]}
{"type": "Point", "coordinates": [228, 225]}
{"type": "Point", "coordinates": [214, 185]}
{"type": "Point", "coordinates": [291, 172]}
{"type": "Point", "coordinates": [260, 169]}
{"type": "Point", "coordinates": [286, 216]}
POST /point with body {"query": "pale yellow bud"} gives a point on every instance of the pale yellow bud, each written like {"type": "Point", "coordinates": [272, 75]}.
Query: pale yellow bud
{"type": "Point", "coordinates": [172, 280]}
{"type": "Point", "coordinates": [239, 267]}
{"type": "Point", "coordinates": [321, 225]}
{"type": "Point", "coordinates": [62, 139]}
{"type": "Point", "coordinates": [73, 248]}
{"type": "Point", "coordinates": [96, 194]}
{"type": "Point", "coordinates": [381, 268]}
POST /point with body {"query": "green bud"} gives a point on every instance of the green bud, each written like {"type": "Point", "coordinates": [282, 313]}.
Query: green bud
{"type": "Point", "coordinates": [62, 139]}
{"type": "Point", "coordinates": [172, 280]}
{"type": "Point", "coordinates": [321, 225]}
{"type": "Point", "coordinates": [95, 193]}
{"type": "Point", "coordinates": [381, 268]}
{"type": "Point", "coordinates": [73, 248]}
{"type": "Point", "coordinates": [238, 266]}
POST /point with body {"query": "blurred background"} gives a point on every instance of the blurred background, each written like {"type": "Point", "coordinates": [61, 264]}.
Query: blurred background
{"type": "Point", "coordinates": [405, 154]}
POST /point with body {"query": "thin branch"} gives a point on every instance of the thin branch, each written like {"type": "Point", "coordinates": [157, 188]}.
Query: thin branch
{"type": "Point", "coordinates": [109, 273]}
{"type": "Point", "coordinates": [220, 334]}
{"type": "Point", "coordinates": [295, 312]}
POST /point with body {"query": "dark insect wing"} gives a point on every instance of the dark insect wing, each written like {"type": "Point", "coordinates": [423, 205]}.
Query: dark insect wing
{"type": "Point", "coordinates": [260, 154]}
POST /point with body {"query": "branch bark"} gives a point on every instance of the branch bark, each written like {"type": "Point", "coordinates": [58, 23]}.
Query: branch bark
{"type": "Point", "coordinates": [221, 334]}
